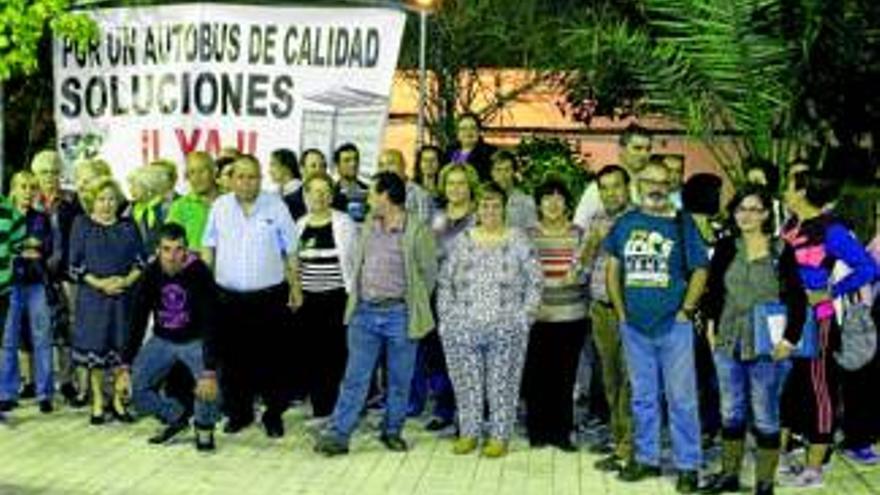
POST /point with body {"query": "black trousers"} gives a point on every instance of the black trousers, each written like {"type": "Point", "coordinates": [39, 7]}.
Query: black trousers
{"type": "Point", "coordinates": [321, 332]}
{"type": "Point", "coordinates": [708, 391]}
{"type": "Point", "coordinates": [549, 376]}
{"type": "Point", "coordinates": [253, 347]}
{"type": "Point", "coordinates": [809, 398]}
{"type": "Point", "coordinates": [861, 411]}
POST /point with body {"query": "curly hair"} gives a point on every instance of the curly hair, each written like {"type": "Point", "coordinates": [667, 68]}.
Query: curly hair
{"type": "Point", "coordinates": [96, 187]}
{"type": "Point", "coordinates": [473, 178]}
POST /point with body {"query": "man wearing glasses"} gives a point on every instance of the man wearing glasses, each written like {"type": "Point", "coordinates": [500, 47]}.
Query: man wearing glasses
{"type": "Point", "coordinates": [655, 275]}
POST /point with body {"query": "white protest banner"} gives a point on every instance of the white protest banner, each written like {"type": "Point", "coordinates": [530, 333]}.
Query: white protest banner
{"type": "Point", "coordinates": [163, 81]}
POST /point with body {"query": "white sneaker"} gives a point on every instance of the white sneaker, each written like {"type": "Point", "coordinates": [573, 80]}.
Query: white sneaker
{"type": "Point", "coordinates": [808, 478]}
{"type": "Point", "coordinates": [790, 465]}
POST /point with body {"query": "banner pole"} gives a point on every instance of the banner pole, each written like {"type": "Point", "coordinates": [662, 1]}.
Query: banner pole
{"type": "Point", "coordinates": [420, 128]}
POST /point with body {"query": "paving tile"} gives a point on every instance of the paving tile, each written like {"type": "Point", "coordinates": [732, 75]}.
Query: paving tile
{"type": "Point", "coordinates": [61, 454]}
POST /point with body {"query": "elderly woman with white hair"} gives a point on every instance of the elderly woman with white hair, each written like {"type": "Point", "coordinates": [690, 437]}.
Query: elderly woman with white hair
{"type": "Point", "coordinates": [62, 208]}
{"type": "Point", "coordinates": [145, 187]}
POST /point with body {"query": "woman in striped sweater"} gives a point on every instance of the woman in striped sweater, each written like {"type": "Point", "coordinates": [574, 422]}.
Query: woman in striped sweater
{"type": "Point", "coordinates": [558, 334]}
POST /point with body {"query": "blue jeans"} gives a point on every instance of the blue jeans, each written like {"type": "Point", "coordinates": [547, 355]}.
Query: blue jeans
{"type": "Point", "coordinates": [667, 361]}
{"type": "Point", "coordinates": [152, 365]}
{"type": "Point", "coordinates": [27, 300]}
{"type": "Point", "coordinates": [372, 328]}
{"type": "Point", "coordinates": [431, 378]}
{"type": "Point", "coordinates": [750, 384]}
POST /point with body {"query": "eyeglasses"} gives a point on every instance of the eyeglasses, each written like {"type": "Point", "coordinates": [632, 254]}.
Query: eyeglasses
{"type": "Point", "coordinates": [653, 182]}
{"type": "Point", "coordinates": [743, 209]}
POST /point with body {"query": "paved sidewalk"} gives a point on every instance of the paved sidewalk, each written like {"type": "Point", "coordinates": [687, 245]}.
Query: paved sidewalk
{"type": "Point", "coordinates": [61, 454]}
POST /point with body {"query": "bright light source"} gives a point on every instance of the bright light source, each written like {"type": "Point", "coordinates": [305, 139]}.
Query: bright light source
{"type": "Point", "coordinates": [425, 4]}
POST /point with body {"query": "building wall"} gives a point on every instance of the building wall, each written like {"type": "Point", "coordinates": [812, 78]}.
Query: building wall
{"type": "Point", "coordinates": [536, 112]}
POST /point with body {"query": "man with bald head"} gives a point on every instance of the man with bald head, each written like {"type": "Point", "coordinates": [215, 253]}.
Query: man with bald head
{"type": "Point", "coordinates": [191, 210]}
{"type": "Point", "coordinates": [249, 242]}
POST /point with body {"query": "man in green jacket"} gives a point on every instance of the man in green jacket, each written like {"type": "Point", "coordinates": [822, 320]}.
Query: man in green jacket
{"type": "Point", "coordinates": [395, 269]}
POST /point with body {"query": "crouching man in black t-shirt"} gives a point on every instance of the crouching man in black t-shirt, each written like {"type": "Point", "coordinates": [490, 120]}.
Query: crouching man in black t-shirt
{"type": "Point", "coordinates": [178, 290]}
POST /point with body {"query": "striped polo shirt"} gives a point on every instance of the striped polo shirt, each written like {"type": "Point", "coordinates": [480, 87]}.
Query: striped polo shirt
{"type": "Point", "coordinates": [12, 231]}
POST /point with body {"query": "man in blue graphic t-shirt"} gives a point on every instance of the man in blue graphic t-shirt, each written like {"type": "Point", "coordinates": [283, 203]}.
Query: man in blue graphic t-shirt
{"type": "Point", "coordinates": [656, 273]}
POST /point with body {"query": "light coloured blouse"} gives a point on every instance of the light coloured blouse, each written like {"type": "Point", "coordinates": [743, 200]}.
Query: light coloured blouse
{"type": "Point", "coordinates": [498, 286]}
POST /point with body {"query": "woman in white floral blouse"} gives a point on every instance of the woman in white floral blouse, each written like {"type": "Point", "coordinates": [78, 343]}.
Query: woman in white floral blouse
{"type": "Point", "coordinates": [488, 295]}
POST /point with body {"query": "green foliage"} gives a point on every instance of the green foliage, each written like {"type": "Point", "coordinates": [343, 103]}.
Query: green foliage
{"type": "Point", "coordinates": [24, 29]}
{"type": "Point", "coordinates": [858, 205]}
{"type": "Point", "coordinates": [786, 78]}
{"type": "Point", "coordinates": [467, 35]}
{"type": "Point", "coordinates": [543, 158]}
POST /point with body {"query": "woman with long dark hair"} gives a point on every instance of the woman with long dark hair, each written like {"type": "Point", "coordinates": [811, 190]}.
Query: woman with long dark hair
{"type": "Point", "coordinates": [749, 269]}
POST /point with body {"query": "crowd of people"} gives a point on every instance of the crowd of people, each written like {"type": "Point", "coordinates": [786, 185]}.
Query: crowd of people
{"type": "Point", "coordinates": [453, 288]}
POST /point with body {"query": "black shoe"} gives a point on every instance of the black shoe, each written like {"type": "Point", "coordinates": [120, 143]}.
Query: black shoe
{"type": "Point", "coordinates": [234, 426]}
{"type": "Point", "coordinates": [394, 443]}
{"type": "Point", "coordinates": [78, 401]}
{"type": "Point", "coordinates": [609, 464]}
{"type": "Point", "coordinates": [28, 391]}
{"type": "Point", "coordinates": [122, 417]}
{"type": "Point", "coordinates": [68, 391]}
{"type": "Point", "coordinates": [274, 426]}
{"type": "Point", "coordinates": [169, 432]}
{"type": "Point", "coordinates": [205, 440]}
{"type": "Point", "coordinates": [636, 471]}
{"type": "Point", "coordinates": [538, 443]}
{"type": "Point", "coordinates": [764, 488]}
{"type": "Point", "coordinates": [46, 406]}
{"type": "Point", "coordinates": [721, 483]}
{"type": "Point", "coordinates": [97, 420]}
{"type": "Point", "coordinates": [330, 446]}
{"type": "Point", "coordinates": [8, 405]}
{"type": "Point", "coordinates": [437, 424]}
{"type": "Point", "coordinates": [688, 482]}
{"type": "Point", "coordinates": [566, 446]}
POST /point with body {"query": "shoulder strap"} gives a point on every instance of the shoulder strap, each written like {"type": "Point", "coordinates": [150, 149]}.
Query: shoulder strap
{"type": "Point", "coordinates": [679, 222]}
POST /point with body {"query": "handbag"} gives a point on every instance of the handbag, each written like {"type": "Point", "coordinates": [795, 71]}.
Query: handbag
{"type": "Point", "coordinates": [858, 337]}
{"type": "Point", "coordinates": [768, 322]}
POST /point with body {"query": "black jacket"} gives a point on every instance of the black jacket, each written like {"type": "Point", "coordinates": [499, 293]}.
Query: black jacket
{"type": "Point", "coordinates": [183, 308]}
{"type": "Point", "coordinates": [480, 157]}
{"type": "Point", "coordinates": [791, 290]}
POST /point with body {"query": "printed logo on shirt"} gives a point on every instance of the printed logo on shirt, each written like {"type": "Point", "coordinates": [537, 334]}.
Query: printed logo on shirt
{"type": "Point", "coordinates": [173, 314]}
{"type": "Point", "coordinates": [646, 257]}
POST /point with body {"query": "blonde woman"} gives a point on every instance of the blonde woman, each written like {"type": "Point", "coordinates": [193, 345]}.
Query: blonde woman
{"type": "Point", "coordinates": [457, 183]}
{"type": "Point", "coordinates": [106, 258]}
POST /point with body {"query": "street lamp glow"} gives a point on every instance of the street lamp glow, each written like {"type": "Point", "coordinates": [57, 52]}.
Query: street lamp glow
{"type": "Point", "coordinates": [425, 4]}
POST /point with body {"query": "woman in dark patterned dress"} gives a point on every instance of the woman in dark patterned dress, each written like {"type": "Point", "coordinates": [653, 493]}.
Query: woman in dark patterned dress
{"type": "Point", "coordinates": [106, 258]}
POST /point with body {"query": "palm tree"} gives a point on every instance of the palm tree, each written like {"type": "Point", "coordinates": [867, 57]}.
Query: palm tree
{"type": "Point", "coordinates": [726, 68]}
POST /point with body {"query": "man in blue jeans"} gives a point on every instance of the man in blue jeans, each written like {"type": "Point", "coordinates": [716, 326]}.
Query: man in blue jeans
{"type": "Point", "coordinates": [395, 268]}
{"type": "Point", "coordinates": [656, 272]}
{"type": "Point", "coordinates": [178, 290]}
